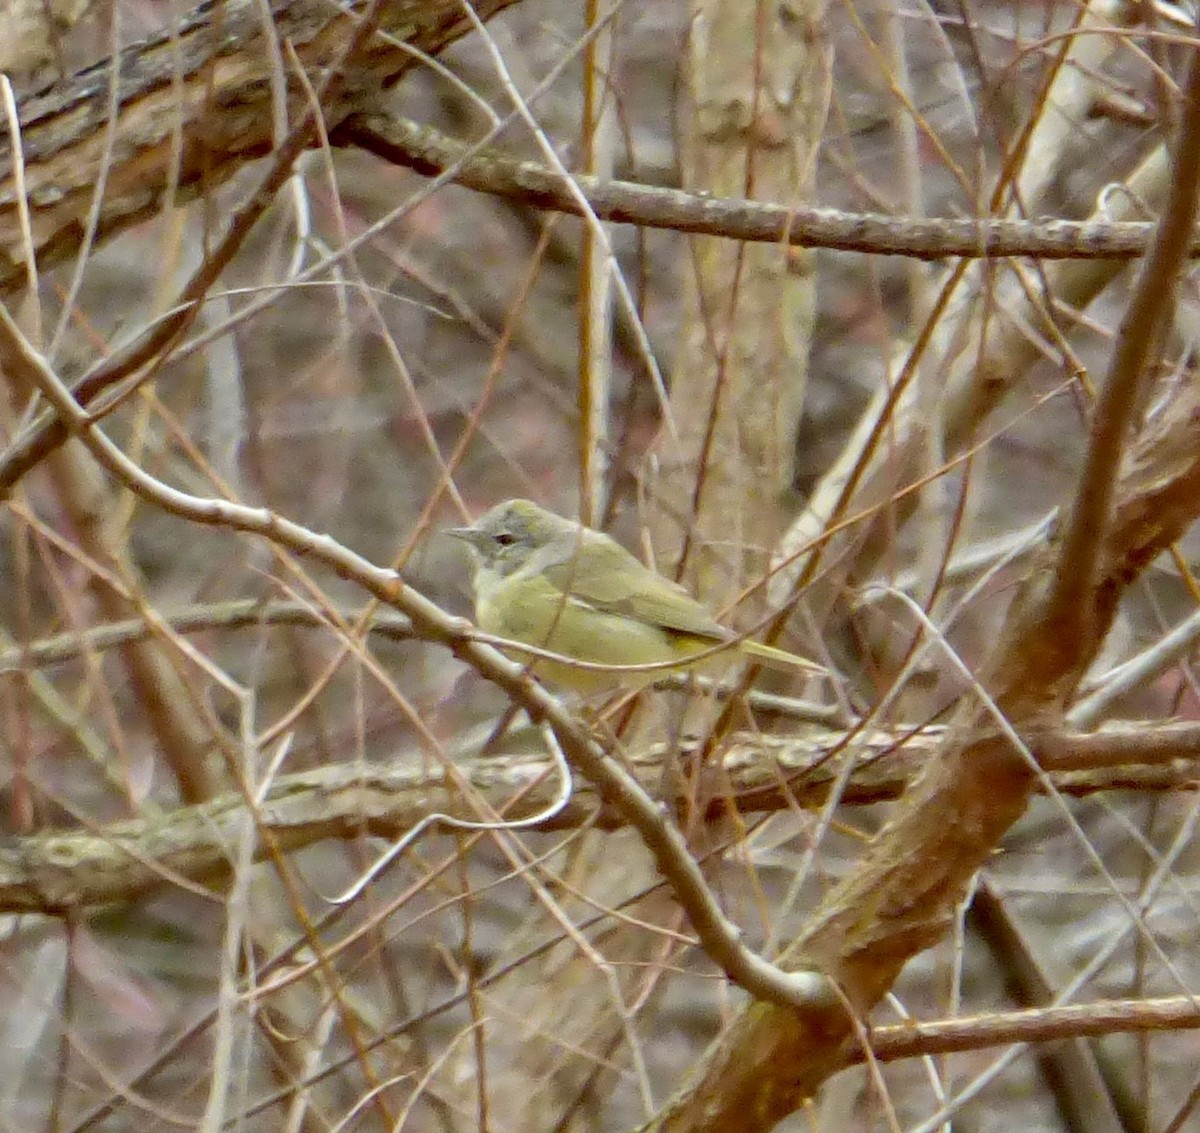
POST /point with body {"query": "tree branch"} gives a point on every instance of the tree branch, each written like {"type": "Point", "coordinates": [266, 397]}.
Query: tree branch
{"type": "Point", "coordinates": [195, 106]}
{"type": "Point", "coordinates": [400, 141]}
{"type": "Point", "coordinates": [55, 872]}
{"type": "Point", "coordinates": [902, 896]}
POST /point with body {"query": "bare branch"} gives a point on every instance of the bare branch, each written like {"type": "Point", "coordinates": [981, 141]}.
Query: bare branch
{"type": "Point", "coordinates": [425, 150]}
{"type": "Point", "coordinates": [1070, 627]}
{"type": "Point", "coordinates": [901, 898]}
{"type": "Point", "coordinates": [208, 82]}
{"type": "Point", "coordinates": [1040, 1024]}
{"type": "Point", "coordinates": [57, 872]}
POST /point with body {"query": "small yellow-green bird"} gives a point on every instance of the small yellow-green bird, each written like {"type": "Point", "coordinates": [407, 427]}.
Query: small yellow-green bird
{"type": "Point", "coordinates": [549, 582]}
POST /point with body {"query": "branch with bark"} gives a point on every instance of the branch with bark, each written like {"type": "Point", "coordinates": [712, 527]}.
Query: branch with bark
{"type": "Point", "coordinates": [64, 872]}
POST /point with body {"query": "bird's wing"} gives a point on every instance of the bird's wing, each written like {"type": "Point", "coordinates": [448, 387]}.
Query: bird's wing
{"type": "Point", "coordinates": [614, 581]}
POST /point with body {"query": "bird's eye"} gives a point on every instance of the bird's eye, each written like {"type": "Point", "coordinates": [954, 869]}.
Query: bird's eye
{"type": "Point", "coordinates": [506, 538]}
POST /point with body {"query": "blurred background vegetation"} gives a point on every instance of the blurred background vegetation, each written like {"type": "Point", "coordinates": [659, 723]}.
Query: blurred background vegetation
{"type": "Point", "coordinates": [380, 360]}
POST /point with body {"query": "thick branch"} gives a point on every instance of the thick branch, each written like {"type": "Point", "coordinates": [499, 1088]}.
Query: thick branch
{"type": "Point", "coordinates": [429, 152]}
{"type": "Point", "coordinates": [901, 898]}
{"type": "Point", "coordinates": [60, 871]}
{"type": "Point", "coordinates": [194, 108]}
{"type": "Point", "coordinates": [1073, 621]}
{"type": "Point", "coordinates": [1038, 1024]}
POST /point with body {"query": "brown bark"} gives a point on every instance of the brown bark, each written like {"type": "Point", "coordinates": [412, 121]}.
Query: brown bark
{"type": "Point", "coordinates": [193, 109]}
{"type": "Point", "coordinates": [759, 86]}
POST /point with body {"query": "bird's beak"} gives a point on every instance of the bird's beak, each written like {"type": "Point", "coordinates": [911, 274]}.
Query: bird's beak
{"type": "Point", "coordinates": [466, 534]}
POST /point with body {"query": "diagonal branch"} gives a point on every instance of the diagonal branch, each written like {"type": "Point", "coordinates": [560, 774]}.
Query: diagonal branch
{"type": "Point", "coordinates": [901, 898]}
{"type": "Point", "coordinates": [719, 937]}
{"type": "Point", "coordinates": [59, 145]}
{"type": "Point", "coordinates": [195, 106]}
{"type": "Point", "coordinates": [1070, 612]}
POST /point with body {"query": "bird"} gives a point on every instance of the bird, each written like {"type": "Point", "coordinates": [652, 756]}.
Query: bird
{"type": "Point", "coordinates": [546, 581]}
